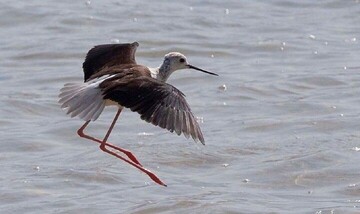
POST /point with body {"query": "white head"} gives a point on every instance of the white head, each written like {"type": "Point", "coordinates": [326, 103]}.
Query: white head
{"type": "Point", "coordinates": [176, 61]}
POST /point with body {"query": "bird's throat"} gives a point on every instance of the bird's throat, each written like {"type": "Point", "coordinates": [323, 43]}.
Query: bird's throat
{"type": "Point", "coordinates": [162, 73]}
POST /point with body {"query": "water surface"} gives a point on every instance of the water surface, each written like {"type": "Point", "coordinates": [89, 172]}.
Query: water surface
{"type": "Point", "coordinates": [282, 138]}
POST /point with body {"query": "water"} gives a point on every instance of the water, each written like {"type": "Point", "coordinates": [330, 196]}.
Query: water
{"type": "Point", "coordinates": [282, 138]}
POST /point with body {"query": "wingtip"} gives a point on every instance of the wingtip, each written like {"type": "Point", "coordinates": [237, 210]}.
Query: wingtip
{"type": "Point", "coordinates": [199, 140]}
{"type": "Point", "coordinates": [202, 141]}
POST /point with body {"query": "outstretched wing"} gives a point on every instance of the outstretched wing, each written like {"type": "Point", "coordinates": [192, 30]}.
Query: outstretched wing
{"type": "Point", "coordinates": [108, 55]}
{"type": "Point", "coordinates": [158, 103]}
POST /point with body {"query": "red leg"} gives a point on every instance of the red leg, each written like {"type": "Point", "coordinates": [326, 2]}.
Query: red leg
{"type": "Point", "coordinates": [146, 171]}
{"type": "Point", "coordinates": [111, 128]}
{"type": "Point", "coordinates": [126, 152]}
{"type": "Point", "coordinates": [103, 145]}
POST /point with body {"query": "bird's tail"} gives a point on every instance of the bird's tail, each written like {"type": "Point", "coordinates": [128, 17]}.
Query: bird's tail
{"type": "Point", "coordinates": [84, 100]}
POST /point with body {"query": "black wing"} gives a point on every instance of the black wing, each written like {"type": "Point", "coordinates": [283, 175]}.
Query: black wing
{"type": "Point", "coordinates": [158, 103]}
{"type": "Point", "coordinates": [108, 55]}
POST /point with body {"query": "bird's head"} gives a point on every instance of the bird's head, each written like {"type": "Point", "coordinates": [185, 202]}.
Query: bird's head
{"type": "Point", "coordinates": [176, 61]}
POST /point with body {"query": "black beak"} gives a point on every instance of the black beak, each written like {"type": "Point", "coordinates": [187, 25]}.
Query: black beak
{"type": "Point", "coordinates": [196, 68]}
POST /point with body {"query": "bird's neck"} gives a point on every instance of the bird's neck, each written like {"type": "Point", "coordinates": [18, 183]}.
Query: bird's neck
{"type": "Point", "coordinates": [161, 73]}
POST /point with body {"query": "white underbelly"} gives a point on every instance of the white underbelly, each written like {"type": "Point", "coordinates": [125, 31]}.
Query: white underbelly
{"type": "Point", "coordinates": [112, 103]}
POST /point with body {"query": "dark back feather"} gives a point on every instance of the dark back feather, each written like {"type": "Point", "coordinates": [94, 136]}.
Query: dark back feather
{"type": "Point", "coordinates": [108, 55]}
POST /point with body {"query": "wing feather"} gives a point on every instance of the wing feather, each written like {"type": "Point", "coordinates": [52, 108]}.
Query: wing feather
{"type": "Point", "coordinates": [178, 121]}
{"type": "Point", "coordinates": [158, 103]}
{"type": "Point", "coordinates": [108, 55]}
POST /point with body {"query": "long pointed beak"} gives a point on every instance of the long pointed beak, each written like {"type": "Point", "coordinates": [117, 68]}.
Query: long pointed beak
{"type": "Point", "coordinates": [196, 68]}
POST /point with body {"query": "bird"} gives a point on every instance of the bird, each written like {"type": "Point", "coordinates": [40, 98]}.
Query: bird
{"type": "Point", "coordinates": [112, 77]}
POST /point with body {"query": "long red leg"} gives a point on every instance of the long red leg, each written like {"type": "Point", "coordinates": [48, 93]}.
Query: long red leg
{"type": "Point", "coordinates": [146, 171]}
{"type": "Point", "coordinates": [103, 143]}
{"type": "Point", "coordinates": [126, 152]}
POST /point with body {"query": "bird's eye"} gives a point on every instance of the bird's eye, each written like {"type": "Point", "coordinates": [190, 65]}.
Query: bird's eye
{"type": "Point", "coordinates": [182, 60]}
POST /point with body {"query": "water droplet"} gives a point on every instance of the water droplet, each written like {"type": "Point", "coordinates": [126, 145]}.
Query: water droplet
{"type": "Point", "coordinates": [212, 56]}
{"type": "Point", "coordinates": [227, 11]}
{"type": "Point", "coordinates": [246, 180]}
{"type": "Point", "coordinates": [225, 165]}
{"type": "Point", "coordinates": [145, 134]}
{"type": "Point", "coordinates": [334, 107]}
{"type": "Point", "coordinates": [356, 149]}
{"type": "Point", "coordinates": [326, 43]}
{"type": "Point", "coordinates": [37, 168]}
{"type": "Point", "coordinates": [222, 87]}
{"type": "Point", "coordinates": [353, 39]}
{"type": "Point", "coordinates": [341, 115]}
{"type": "Point", "coordinates": [88, 3]}
{"type": "Point", "coordinates": [345, 67]}
{"type": "Point", "coordinates": [115, 41]}
{"type": "Point", "coordinates": [315, 52]}
{"type": "Point", "coordinates": [311, 36]}
{"type": "Point", "coordinates": [135, 19]}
